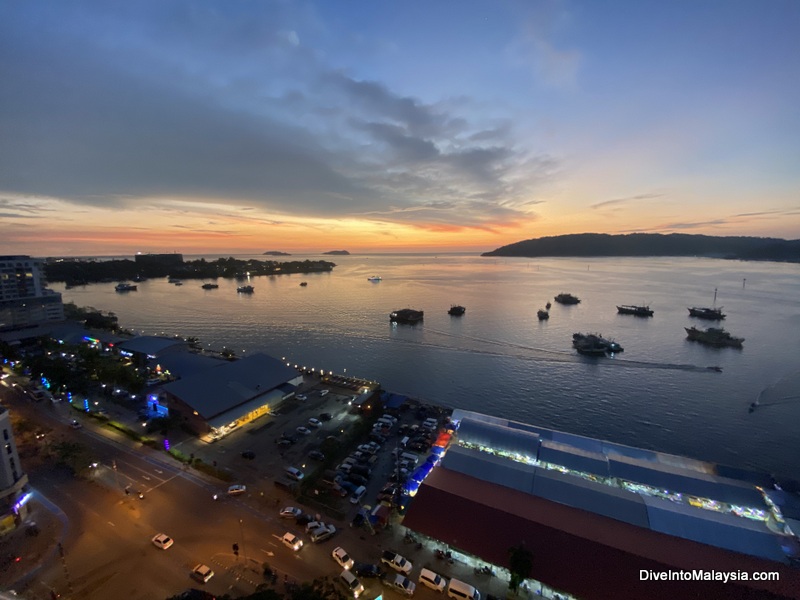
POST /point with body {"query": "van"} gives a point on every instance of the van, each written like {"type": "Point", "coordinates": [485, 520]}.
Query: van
{"type": "Point", "coordinates": [462, 591]}
{"type": "Point", "coordinates": [409, 456]}
{"type": "Point", "coordinates": [432, 580]}
{"type": "Point", "coordinates": [389, 418]}
{"type": "Point", "coordinates": [404, 442]}
{"type": "Point", "coordinates": [358, 494]}
{"type": "Point", "coordinates": [384, 421]}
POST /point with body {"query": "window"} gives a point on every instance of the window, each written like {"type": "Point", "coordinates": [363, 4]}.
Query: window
{"type": "Point", "coordinates": [5, 434]}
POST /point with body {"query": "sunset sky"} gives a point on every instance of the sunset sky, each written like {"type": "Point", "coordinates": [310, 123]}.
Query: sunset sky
{"type": "Point", "coordinates": [246, 126]}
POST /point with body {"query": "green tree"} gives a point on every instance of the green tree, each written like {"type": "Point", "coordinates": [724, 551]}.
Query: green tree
{"type": "Point", "coordinates": [520, 565]}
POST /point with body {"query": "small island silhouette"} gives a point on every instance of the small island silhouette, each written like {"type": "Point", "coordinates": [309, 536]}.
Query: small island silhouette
{"type": "Point", "coordinates": [276, 253]}
{"type": "Point", "coordinates": [338, 252]}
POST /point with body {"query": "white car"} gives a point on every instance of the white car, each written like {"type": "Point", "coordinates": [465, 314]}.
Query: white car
{"type": "Point", "coordinates": [290, 540]}
{"type": "Point", "coordinates": [202, 573]}
{"type": "Point", "coordinates": [236, 490]}
{"type": "Point", "coordinates": [402, 584]}
{"type": "Point", "coordinates": [75, 424]}
{"type": "Point", "coordinates": [301, 397]}
{"type": "Point", "coordinates": [162, 540]}
{"type": "Point", "coordinates": [314, 422]}
{"type": "Point", "coordinates": [290, 512]}
{"type": "Point", "coordinates": [303, 430]}
{"type": "Point", "coordinates": [320, 534]}
{"type": "Point", "coordinates": [293, 473]}
{"type": "Point", "coordinates": [340, 555]}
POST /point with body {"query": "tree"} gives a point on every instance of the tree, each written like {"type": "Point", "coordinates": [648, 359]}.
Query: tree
{"type": "Point", "coordinates": [520, 565]}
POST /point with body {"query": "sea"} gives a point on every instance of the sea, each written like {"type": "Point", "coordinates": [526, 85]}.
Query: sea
{"type": "Point", "coordinates": [498, 358]}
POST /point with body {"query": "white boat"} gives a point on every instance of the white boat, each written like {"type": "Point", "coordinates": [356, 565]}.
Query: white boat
{"type": "Point", "coordinates": [374, 278]}
{"type": "Point", "coordinates": [245, 289]}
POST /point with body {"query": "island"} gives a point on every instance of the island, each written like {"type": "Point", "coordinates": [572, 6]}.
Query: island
{"type": "Point", "coordinates": [81, 272]}
{"type": "Point", "coordinates": [276, 253]}
{"type": "Point", "coordinates": [338, 252]}
{"type": "Point", "coordinates": [655, 244]}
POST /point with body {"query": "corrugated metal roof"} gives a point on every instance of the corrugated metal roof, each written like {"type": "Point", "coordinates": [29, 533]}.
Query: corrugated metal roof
{"type": "Point", "coordinates": [237, 412]}
{"type": "Point", "coordinates": [693, 483]}
{"type": "Point", "coordinates": [151, 344]}
{"type": "Point", "coordinates": [573, 458]}
{"type": "Point", "coordinates": [503, 439]}
{"type": "Point", "coordinates": [716, 529]}
{"type": "Point", "coordinates": [493, 469]}
{"type": "Point", "coordinates": [186, 364]}
{"type": "Point", "coordinates": [218, 390]}
{"type": "Point", "coordinates": [587, 495]}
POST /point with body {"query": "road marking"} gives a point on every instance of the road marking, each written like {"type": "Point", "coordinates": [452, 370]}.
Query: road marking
{"type": "Point", "coordinates": [145, 477]}
{"type": "Point", "coordinates": [110, 523]}
{"type": "Point", "coordinates": [159, 472]}
{"type": "Point", "coordinates": [267, 552]}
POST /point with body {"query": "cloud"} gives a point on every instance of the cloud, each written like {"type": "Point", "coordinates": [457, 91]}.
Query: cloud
{"type": "Point", "coordinates": [621, 201]}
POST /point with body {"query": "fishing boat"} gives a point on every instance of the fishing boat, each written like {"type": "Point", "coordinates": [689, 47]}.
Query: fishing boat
{"type": "Point", "coordinates": [125, 287]}
{"type": "Point", "coordinates": [637, 311]}
{"type": "Point", "coordinates": [303, 283]}
{"type": "Point", "coordinates": [456, 311]}
{"type": "Point", "coordinates": [713, 336]}
{"type": "Point", "coordinates": [375, 278]}
{"type": "Point", "coordinates": [407, 316]}
{"type": "Point", "coordinates": [563, 298]}
{"type": "Point", "coordinates": [710, 314]}
{"type": "Point", "coordinates": [542, 314]}
{"type": "Point", "coordinates": [210, 286]}
{"type": "Point", "coordinates": [245, 289]}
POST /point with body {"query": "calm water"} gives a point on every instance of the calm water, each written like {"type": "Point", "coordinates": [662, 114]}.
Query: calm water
{"type": "Point", "coordinates": [499, 359]}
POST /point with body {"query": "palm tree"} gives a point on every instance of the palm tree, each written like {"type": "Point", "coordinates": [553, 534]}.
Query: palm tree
{"type": "Point", "coordinates": [520, 565]}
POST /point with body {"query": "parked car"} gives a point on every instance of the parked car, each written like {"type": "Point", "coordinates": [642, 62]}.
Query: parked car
{"type": "Point", "coordinates": [322, 533]}
{"type": "Point", "coordinates": [357, 479]}
{"type": "Point", "coordinates": [303, 430]}
{"type": "Point", "coordinates": [314, 422]}
{"type": "Point", "coordinates": [367, 570]}
{"type": "Point", "coordinates": [351, 583]}
{"type": "Point", "coordinates": [325, 417]}
{"type": "Point", "coordinates": [293, 473]}
{"type": "Point", "coordinates": [249, 455]}
{"type": "Point", "coordinates": [301, 397]}
{"type": "Point", "coordinates": [316, 455]}
{"type": "Point", "coordinates": [401, 583]}
{"type": "Point", "coordinates": [303, 519]}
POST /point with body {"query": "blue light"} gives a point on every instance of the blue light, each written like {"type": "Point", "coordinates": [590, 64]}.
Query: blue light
{"type": "Point", "coordinates": [22, 501]}
{"type": "Point", "coordinates": [86, 404]}
{"type": "Point", "coordinates": [166, 445]}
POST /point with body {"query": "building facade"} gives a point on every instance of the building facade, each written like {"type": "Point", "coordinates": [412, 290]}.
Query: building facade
{"type": "Point", "coordinates": [13, 480]}
{"type": "Point", "coordinates": [25, 300]}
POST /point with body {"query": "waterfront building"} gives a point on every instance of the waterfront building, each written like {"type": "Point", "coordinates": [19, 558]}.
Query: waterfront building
{"type": "Point", "coordinates": [25, 301]}
{"type": "Point", "coordinates": [13, 481]}
{"type": "Point", "coordinates": [220, 399]}
{"type": "Point", "coordinates": [146, 348]}
{"type": "Point", "coordinates": [596, 515]}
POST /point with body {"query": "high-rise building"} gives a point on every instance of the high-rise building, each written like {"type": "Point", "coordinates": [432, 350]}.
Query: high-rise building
{"type": "Point", "coordinates": [25, 300]}
{"type": "Point", "coordinates": [13, 481]}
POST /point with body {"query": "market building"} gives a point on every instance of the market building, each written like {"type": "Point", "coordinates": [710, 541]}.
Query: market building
{"type": "Point", "coordinates": [597, 515]}
{"type": "Point", "coordinates": [216, 401]}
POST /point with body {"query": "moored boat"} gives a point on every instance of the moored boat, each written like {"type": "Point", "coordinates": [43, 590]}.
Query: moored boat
{"type": "Point", "coordinates": [456, 311]}
{"type": "Point", "coordinates": [637, 311]}
{"type": "Point", "coordinates": [245, 289]}
{"type": "Point", "coordinates": [375, 278]}
{"type": "Point", "coordinates": [125, 287]}
{"type": "Point", "coordinates": [210, 286]}
{"type": "Point", "coordinates": [406, 315]}
{"type": "Point", "coordinates": [710, 314]}
{"type": "Point", "coordinates": [303, 283]}
{"type": "Point", "coordinates": [713, 336]}
{"type": "Point", "coordinates": [563, 298]}
{"type": "Point", "coordinates": [542, 314]}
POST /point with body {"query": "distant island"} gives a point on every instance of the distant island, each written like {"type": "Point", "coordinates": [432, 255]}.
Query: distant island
{"type": "Point", "coordinates": [81, 272]}
{"type": "Point", "coordinates": [276, 253]}
{"type": "Point", "coordinates": [338, 252]}
{"type": "Point", "coordinates": [655, 244]}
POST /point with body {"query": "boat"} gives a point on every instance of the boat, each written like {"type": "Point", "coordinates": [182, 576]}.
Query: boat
{"type": "Point", "coordinates": [456, 311]}
{"type": "Point", "coordinates": [594, 344]}
{"type": "Point", "coordinates": [548, 306]}
{"type": "Point", "coordinates": [637, 311]}
{"type": "Point", "coordinates": [563, 298]}
{"type": "Point", "coordinates": [303, 283]}
{"type": "Point", "coordinates": [178, 282]}
{"type": "Point", "coordinates": [406, 315]}
{"type": "Point", "coordinates": [210, 286]}
{"type": "Point", "coordinates": [125, 287]}
{"type": "Point", "coordinates": [174, 280]}
{"type": "Point", "coordinates": [375, 278]}
{"type": "Point", "coordinates": [710, 314]}
{"type": "Point", "coordinates": [245, 289]}
{"type": "Point", "coordinates": [542, 314]}
{"type": "Point", "coordinates": [713, 336]}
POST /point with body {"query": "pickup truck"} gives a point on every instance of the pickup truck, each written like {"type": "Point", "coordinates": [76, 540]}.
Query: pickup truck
{"type": "Point", "coordinates": [397, 562]}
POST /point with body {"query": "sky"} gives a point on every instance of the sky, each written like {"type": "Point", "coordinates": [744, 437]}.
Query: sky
{"type": "Point", "coordinates": [244, 126]}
